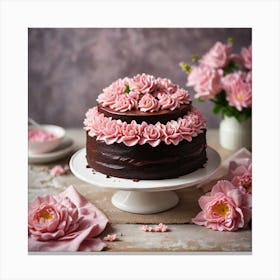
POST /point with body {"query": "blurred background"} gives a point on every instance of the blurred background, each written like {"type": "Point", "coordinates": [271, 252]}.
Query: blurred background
{"type": "Point", "coordinates": [69, 67]}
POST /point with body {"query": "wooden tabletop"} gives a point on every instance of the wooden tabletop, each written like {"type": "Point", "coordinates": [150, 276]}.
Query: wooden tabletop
{"type": "Point", "coordinates": [180, 237]}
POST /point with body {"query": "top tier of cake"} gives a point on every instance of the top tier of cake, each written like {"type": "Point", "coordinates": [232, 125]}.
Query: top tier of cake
{"type": "Point", "coordinates": [144, 98]}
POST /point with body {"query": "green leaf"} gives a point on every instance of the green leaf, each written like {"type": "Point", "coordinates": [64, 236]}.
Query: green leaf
{"type": "Point", "coordinates": [127, 89]}
{"type": "Point", "coordinates": [195, 57]}
{"type": "Point", "coordinates": [185, 67]}
{"type": "Point", "coordinates": [230, 41]}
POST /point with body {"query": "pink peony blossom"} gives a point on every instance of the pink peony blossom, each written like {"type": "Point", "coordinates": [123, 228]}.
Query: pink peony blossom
{"type": "Point", "coordinates": [225, 208]}
{"type": "Point", "coordinates": [168, 102]}
{"type": "Point", "coordinates": [143, 83]}
{"type": "Point", "coordinates": [240, 174]}
{"type": "Point", "coordinates": [246, 57]}
{"type": "Point", "coordinates": [229, 81]}
{"type": "Point", "coordinates": [182, 96]}
{"type": "Point", "coordinates": [124, 103]}
{"type": "Point", "coordinates": [57, 170]}
{"type": "Point", "coordinates": [66, 222]}
{"type": "Point", "coordinates": [110, 237]}
{"type": "Point", "coordinates": [240, 95]}
{"type": "Point", "coordinates": [148, 103]}
{"type": "Point", "coordinates": [130, 133]}
{"type": "Point", "coordinates": [206, 81]}
{"type": "Point", "coordinates": [218, 56]}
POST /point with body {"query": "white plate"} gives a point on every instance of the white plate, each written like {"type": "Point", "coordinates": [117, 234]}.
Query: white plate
{"type": "Point", "coordinates": [78, 165]}
{"type": "Point", "coordinates": [61, 151]}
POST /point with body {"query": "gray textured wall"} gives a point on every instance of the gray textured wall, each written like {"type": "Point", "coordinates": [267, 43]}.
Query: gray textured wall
{"type": "Point", "coordinates": [68, 68]}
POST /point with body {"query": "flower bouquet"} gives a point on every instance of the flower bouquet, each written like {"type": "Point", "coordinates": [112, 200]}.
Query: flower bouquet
{"type": "Point", "coordinates": [224, 78]}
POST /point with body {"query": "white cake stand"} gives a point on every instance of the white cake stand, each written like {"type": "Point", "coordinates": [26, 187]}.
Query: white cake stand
{"type": "Point", "coordinates": [144, 196]}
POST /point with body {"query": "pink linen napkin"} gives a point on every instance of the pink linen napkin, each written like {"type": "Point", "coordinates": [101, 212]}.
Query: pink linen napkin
{"type": "Point", "coordinates": [65, 222]}
{"type": "Point", "coordinates": [239, 157]}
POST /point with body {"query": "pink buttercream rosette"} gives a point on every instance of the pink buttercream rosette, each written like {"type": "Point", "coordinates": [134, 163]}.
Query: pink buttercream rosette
{"type": "Point", "coordinates": [65, 222]}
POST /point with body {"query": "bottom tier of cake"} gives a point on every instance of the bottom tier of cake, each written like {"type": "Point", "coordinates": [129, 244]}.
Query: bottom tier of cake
{"type": "Point", "coordinates": [145, 162]}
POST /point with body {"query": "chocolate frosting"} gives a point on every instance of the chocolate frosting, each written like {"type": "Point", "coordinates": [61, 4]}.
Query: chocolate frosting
{"type": "Point", "coordinates": [146, 162]}
{"type": "Point", "coordinates": [162, 116]}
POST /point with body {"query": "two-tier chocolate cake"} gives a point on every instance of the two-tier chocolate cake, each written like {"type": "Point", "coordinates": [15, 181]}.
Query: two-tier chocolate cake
{"type": "Point", "coordinates": [145, 128]}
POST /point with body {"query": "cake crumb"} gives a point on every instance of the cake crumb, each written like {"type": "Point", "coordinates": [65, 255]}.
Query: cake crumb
{"type": "Point", "coordinates": [110, 237]}
{"type": "Point", "coordinates": [107, 176]}
{"type": "Point", "coordinates": [146, 228]}
{"type": "Point", "coordinates": [135, 180]}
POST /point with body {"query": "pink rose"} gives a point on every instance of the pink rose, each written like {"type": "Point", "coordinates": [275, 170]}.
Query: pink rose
{"type": "Point", "coordinates": [246, 57]}
{"type": "Point", "coordinates": [206, 81]}
{"type": "Point", "coordinates": [111, 132]}
{"type": "Point", "coordinates": [225, 208]}
{"type": "Point", "coordinates": [172, 133]}
{"type": "Point", "coordinates": [130, 133]}
{"type": "Point", "coordinates": [66, 222]}
{"type": "Point", "coordinates": [124, 103]}
{"type": "Point", "coordinates": [168, 102]}
{"type": "Point", "coordinates": [240, 174]}
{"type": "Point", "coordinates": [148, 103]}
{"type": "Point", "coordinates": [240, 95]}
{"type": "Point", "coordinates": [218, 56]}
{"type": "Point", "coordinates": [143, 83]}
{"type": "Point", "coordinates": [151, 134]}
{"type": "Point", "coordinates": [182, 96]}
{"type": "Point", "coordinates": [166, 86]}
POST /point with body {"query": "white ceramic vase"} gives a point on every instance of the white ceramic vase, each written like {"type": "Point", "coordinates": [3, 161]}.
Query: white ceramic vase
{"type": "Point", "coordinates": [235, 135]}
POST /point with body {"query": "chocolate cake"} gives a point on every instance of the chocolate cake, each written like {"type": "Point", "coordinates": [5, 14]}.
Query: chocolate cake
{"type": "Point", "coordinates": [145, 128]}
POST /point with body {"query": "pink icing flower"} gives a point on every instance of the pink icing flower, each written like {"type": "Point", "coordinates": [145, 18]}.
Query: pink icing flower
{"type": "Point", "coordinates": [206, 81]}
{"type": "Point", "coordinates": [130, 133]}
{"type": "Point", "coordinates": [172, 134]}
{"type": "Point", "coordinates": [118, 87]}
{"type": "Point", "coordinates": [196, 122]}
{"type": "Point", "coordinates": [225, 208]}
{"type": "Point", "coordinates": [240, 96]}
{"type": "Point", "coordinates": [148, 103]}
{"type": "Point", "coordinates": [185, 129]}
{"type": "Point", "coordinates": [57, 170]}
{"type": "Point", "coordinates": [124, 103]}
{"type": "Point", "coordinates": [143, 83]}
{"type": "Point", "coordinates": [166, 86]}
{"type": "Point", "coordinates": [218, 56]}
{"type": "Point", "coordinates": [95, 125]}
{"type": "Point", "coordinates": [111, 132]}
{"type": "Point", "coordinates": [107, 98]}
{"type": "Point", "coordinates": [66, 222]}
{"type": "Point", "coordinates": [151, 134]}
{"type": "Point", "coordinates": [246, 56]}
{"type": "Point", "coordinates": [161, 228]}
{"type": "Point", "coordinates": [182, 96]}
{"type": "Point", "coordinates": [110, 237]}
{"type": "Point", "coordinates": [168, 102]}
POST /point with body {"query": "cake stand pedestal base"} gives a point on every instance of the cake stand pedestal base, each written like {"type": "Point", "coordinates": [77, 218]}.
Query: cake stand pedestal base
{"type": "Point", "coordinates": [140, 202]}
